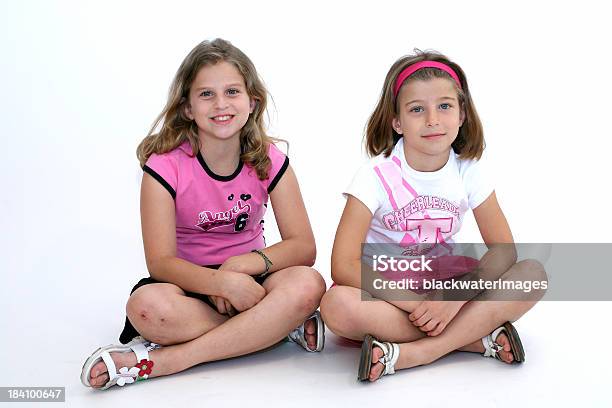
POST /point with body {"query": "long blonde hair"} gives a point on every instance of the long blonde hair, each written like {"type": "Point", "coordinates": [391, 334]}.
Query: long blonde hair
{"type": "Point", "coordinates": [380, 136]}
{"type": "Point", "coordinates": [176, 127]}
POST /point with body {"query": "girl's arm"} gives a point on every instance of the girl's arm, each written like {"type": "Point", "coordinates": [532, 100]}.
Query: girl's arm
{"type": "Point", "coordinates": [497, 236]}
{"type": "Point", "coordinates": [297, 246]}
{"type": "Point", "coordinates": [492, 223]}
{"type": "Point", "coordinates": [157, 213]}
{"type": "Point", "coordinates": [351, 233]}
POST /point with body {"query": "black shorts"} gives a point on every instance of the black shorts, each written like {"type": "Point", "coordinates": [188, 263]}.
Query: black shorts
{"type": "Point", "coordinates": [129, 331]}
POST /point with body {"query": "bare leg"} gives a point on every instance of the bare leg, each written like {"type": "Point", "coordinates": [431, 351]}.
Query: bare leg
{"type": "Point", "coordinates": [163, 314]}
{"type": "Point", "coordinates": [293, 295]}
{"type": "Point", "coordinates": [347, 317]}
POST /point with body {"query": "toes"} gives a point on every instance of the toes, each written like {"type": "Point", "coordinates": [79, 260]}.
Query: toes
{"type": "Point", "coordinates": [502, 340]}
{"type": "Point", "coordinates": [506, 356]}
{"type": "Point", "coordinates": [311, 340]}
{"type": "Point", "coordinates": [377, 368]}
{"type": "Point", "coordinates": [310, 332]}
{"type": "Point", "coordinates": [97, 369]}
{"type": "Point", "coordinates": [376, 371]}
{"type": "Point", "coordinates": [98, 375]}
{"type": "Point", "coordinates": [506, 353]}
{"type": "Point", "coordinates": [503, 356]}
{"type": "Point", "coordinates": [99, 381]}
{"type": "Point", "coordinates": [309, 327]}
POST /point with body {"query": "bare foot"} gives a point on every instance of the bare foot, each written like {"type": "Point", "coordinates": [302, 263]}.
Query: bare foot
{"type": "Point", "coordinates": [506, 353]}
{"type": "Point", "coordinates": [99, 372]}
{"type": "Point", "coordinates": [377, 368]}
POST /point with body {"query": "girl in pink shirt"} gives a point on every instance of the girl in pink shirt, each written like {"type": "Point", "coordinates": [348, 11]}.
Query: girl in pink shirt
{"type": "Point", "coordinates": [215, 290]}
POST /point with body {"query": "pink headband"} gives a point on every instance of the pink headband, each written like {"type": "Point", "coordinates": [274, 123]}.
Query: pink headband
{"type": "Point", "coordinates": [411, 69]}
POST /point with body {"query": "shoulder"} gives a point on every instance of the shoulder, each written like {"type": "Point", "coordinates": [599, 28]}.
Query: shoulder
{"type": "Point", "coordinates": [170, 161]}
{"type": "Point", "coordinates": [180, 153]}
{"type": "Point", "coordinates": [164, 167]}
{"type": "Point", "coordinates": [277, 157]}
{"type": "Point", "coordinates": [469, 167]}
{"type": "Point", "coordinates": [274, 150]}
{"type": "Point", "coordinates": [375, 164]}
{"type": "Point", "coordinates": [279, 162]}
{"type": "Point", "coordinates": [477, 179]}
{"type": "Point", "coordinates": [370, 168]}
{"type": "Point", "coordinates": [366, 183]}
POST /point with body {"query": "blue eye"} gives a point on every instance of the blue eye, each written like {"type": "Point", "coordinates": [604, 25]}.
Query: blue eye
{"type": "Point", "coordinates": [206, 94]}
{"type": "Point", "coordinates": [233, 91]}
{"type": "Point", "coordinates": [417, 109]}
{"type": "Point", "coordinates": [445, 106]}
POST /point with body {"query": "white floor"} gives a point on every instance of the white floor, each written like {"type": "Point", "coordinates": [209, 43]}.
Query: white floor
{"type": "Point", "coordinates": [82, 81]}
{"type": "Point", "coordinates": [567, 350]}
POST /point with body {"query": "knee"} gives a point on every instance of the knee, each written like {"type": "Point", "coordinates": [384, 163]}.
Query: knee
{"type": "Point", "coordinates": [538, 273]}
{"type": "Point", "coordinates": [338, 312]}
{"type": "Point", "coordinates": [149, 308]}
{"type": "Point", "coordinates": [534, 269]}
{"type": "Point", "coordinates": [532, 275]}
{"type": "Point", "coordinates": [307, 288]}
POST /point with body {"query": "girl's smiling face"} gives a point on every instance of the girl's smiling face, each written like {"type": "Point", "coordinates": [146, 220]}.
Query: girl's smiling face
{"type": "Point", "coordinates": [218, 101]}
{"type": "Point", "coordinates": [429, 117]}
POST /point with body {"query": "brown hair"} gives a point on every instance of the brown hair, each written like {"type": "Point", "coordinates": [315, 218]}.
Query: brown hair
{"type": "Point", "coordinates": [380, 135]}
{"type": "Point", "coordinates": [176, 127]}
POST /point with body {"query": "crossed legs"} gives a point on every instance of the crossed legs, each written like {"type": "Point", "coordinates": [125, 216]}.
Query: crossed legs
{"type": "Point", "coordinates": [348, 316]}
{"type": "Point", "coordinates": [194, 333]}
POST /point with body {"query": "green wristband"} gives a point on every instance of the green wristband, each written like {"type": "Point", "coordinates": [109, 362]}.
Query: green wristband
{"type": "Point", "coordinates": [266, 260]}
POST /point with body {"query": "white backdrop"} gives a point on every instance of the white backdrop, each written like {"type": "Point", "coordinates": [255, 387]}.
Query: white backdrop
{"type": "Point", "coordinates": [81, 82]}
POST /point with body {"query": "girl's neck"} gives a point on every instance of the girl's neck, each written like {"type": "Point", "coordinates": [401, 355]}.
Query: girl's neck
{"type": "Point", "coordinates": [424, 162]}
{"type": "Point", "coordinates": [221, 156]}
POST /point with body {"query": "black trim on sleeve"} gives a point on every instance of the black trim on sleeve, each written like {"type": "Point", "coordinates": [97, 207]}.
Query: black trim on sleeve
{"type": "Point", "coordinates": [161, 180]}
{"type": "Point", "coordinates": [279, 175]}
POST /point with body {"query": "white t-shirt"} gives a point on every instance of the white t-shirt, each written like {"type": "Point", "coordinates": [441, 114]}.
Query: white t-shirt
{"type": "Point", "coordinates": [411, 207]}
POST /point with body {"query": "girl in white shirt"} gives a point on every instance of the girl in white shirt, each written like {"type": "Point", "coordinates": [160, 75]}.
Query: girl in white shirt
{"type": "Point", "coordinates": [425, 138]}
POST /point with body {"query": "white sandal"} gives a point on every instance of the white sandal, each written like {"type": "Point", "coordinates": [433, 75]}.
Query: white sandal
{"type": "Point", "coordinates": [391, 352]}
{"type": "Point", "coordinates": [492, 348]}
{"type": "Point", "coordinates": [139, 372]}
{"type": "Point", "coordinates": [298, 335]}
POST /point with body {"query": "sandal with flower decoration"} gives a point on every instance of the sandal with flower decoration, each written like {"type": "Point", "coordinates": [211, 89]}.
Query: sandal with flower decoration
{"type": "Point", "coordinates": [492, 348]}
{"type": "Point", "coordinates": [298, 335]}
{"type": "Point", "coordinates": [391, 352]}
{"type": "Point", "coordinates": [139, 372]}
